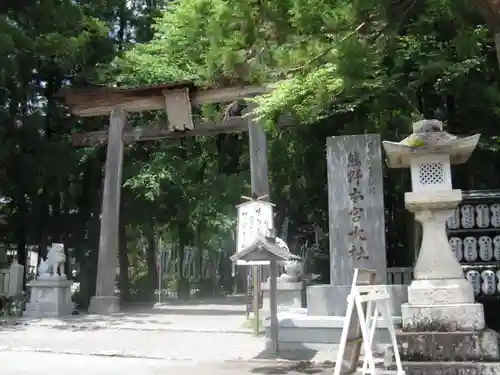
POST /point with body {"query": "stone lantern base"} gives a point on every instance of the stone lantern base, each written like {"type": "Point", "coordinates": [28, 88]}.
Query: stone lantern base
{"type": "Point", "coordinates": [442, 324]}
{"type": "Point", "coordinates": [459, 317]}
{"type": "Point", "coordinates": [442, 305]}
{"type": "Point", "coordinates": [440, 298]}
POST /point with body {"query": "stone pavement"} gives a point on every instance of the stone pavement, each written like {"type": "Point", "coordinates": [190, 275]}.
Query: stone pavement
{"type": "Point", "coordinates": [199, 330]}
{"type": "Point", "coordinates": [212, 315]}
{"type": "Point", "coordinates": [15, 363]}
{"type": "Point", "coordinates": [176, 339]}
{"type": "Point", "coordinates": [195, 346]}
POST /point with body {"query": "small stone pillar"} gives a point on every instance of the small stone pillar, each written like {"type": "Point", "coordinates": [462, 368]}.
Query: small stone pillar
{"type": "Point", "coordinates": [439, 297]}
{"type": "Point", "coordinates": [16, 273]}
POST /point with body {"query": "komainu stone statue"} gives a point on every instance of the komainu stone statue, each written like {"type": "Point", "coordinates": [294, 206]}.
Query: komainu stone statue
{"type": "Point", "coordinates": [54, 263]}
{"type": "Point", "coordinates": [294, 271]}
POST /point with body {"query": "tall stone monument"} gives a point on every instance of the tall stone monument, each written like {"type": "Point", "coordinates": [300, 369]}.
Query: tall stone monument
{"type": "Point", "coordinates": [356, 207]}
{"type": "Point", "coordinates": [357, 223]}
{"type": "Point", "coordinates": [443, 328]}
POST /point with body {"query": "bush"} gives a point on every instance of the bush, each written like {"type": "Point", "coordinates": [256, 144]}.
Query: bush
{"type": "Point", "coordinates": [13, 306]}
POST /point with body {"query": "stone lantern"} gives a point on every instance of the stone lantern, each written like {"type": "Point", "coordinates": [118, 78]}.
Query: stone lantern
{"type": "Point", "coordinates": [439, 297]}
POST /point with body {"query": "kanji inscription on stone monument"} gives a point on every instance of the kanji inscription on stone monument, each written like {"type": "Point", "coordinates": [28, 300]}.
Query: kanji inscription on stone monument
{"type": "Point", "coordinates": [357, 236]}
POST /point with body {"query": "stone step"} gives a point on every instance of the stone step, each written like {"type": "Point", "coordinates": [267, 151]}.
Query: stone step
{"type": "Point", "coordinates": [448, 346]}
{"type": "Point", "coordinates": [450, 368]}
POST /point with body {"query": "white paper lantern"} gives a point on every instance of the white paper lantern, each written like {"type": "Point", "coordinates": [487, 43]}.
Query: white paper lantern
{"type": "Point", "coordinates": [482, 216]}
{"type": "Point", "coordinates": [470, 249]}
{"type": "Point", "coordinates": [498, 280]}
{"type": "Point", "coordinates": [495, 215]}
{"type": "Point", "coordinates": [489, 282]}
{"type": "Point", "coordinates": [496, 247]}
{"type": "Point", "coordinates": [457, 247]}
{"type": "Point", "coordinates": [485, 248]}
{"type": "Point", "coordinates": [453, 221]}
{"type": "Point", "coordinates": [467, 213]}
{"type": "Point", "coordinates": [475, 280]}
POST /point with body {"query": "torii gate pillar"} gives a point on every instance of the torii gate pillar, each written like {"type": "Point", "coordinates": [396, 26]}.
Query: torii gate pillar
{"type": "Point", "coordinates": [105, 301]}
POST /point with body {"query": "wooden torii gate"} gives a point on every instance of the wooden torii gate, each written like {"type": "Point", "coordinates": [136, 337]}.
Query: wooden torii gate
{"type": "Point", "coordinates": [177, 100]}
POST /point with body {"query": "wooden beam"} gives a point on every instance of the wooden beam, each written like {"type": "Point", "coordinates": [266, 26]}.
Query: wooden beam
{"type": "Point", "coordinates": [148, 100]}
{"type": "Point", "coordinates": [490, 9]}
{"type": "Point", "coordinates": [130, 135]}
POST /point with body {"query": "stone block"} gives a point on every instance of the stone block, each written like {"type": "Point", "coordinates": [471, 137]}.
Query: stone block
{"type": "Point", "coordinates": [440, 292]}
{"type": "Point", "coordinates": [289, 295]}
{"type": "Point", "coordinates": [450, 368]}
{"type": "Point", "coordinates": [301, 331]}
{"type": "Point", "coordinates": [331, 300]}
{"type": "Point", "coordinates": [50, 298]}
{"type": "Point", "coordinates": [453, 317]}
{"type": "Point", "coordinates": [448, 346]}
{"type": "Point", "coordinates": [104, 305]}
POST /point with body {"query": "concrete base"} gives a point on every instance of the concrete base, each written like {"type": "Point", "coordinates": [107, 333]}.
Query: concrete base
{"type": "Point", "coordinates": [330, 300]}
{"type": "Point", "coordinates": [451, 317]}
{"type": "Point", "coordinates": [299, 331]}
{"type": "Point", "coordinates": [104, 305]}
{"type": "Point", "coordinates": [289, 296]}
{"type": "Point", "coordinates": [50, 298]}
{"type": "Point", "coordinates": [448, 346]}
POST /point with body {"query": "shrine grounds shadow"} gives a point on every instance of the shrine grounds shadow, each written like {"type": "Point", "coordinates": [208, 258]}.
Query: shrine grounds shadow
{"type": "Point", "coordinates": [230, 305]}
{"type": "Point", "coordinates": [301, 361]}
{"type": "Point", "coordinates": [147, 316]}
{"type": "Point", "coordinates": [300, 367]}
{"type": "Point", "coordinates": [236, 300]}
{"type": "Point", "coordinates": [6, 327]}
{"type": "Point", "coordinates": [303, 355]}
{"type": "Point", "coordinates": [185, 311]}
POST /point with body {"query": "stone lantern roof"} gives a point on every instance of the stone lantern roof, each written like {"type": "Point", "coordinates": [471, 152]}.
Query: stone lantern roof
{"type": "Point", "coordinates": [429, 137]}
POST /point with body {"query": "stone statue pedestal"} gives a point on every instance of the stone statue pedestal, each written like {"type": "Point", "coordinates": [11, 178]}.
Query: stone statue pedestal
{"type": "Point", "coordinates": [289, 296]}
{"type": "Point", "coordinates": [439, 296]}
{"type": "Point", "coordinates": [50, 297]}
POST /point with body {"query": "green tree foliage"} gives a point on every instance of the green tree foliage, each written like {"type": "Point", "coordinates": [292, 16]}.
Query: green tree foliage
{"type": "Point", "coordinates": [323, 56]}
{"type": "Point", "coordinates": [342, 67]}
